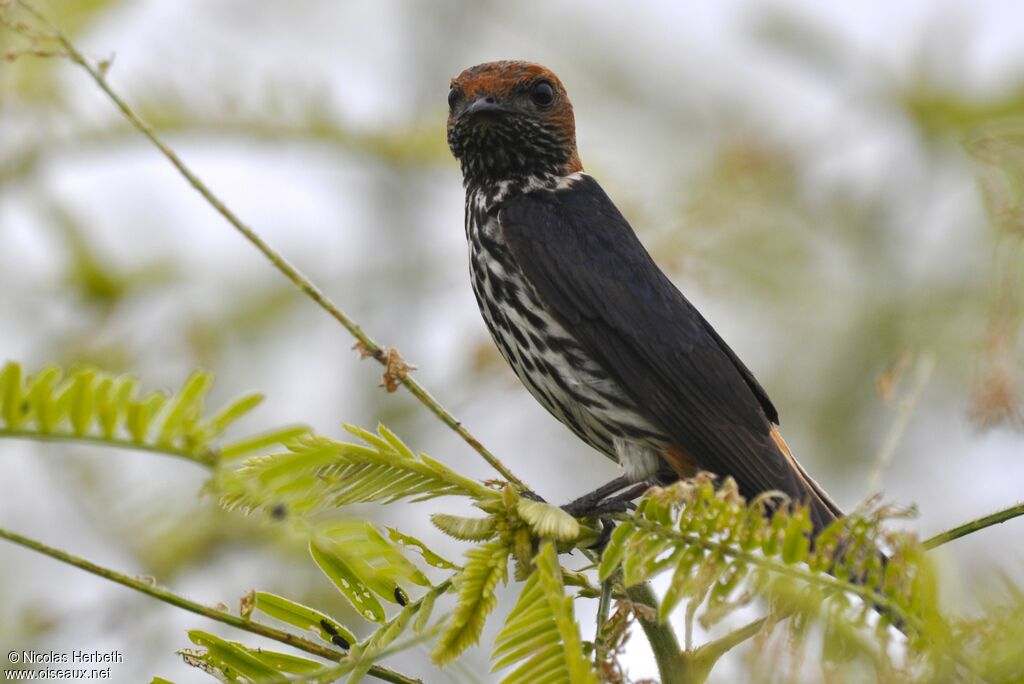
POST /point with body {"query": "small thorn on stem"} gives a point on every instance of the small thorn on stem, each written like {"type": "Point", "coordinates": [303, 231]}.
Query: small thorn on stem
{"type": "Point", "coordinates": [396, 369]}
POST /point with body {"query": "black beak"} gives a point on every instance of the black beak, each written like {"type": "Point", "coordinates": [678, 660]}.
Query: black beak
{"type": "Point", "coordinates": [485, 105]}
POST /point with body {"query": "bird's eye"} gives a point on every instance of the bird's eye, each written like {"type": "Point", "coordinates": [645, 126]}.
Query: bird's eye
{"type": "Point", "coordinates": [542, 94]}
{"type": "Point", "coordinates": [453, 97]}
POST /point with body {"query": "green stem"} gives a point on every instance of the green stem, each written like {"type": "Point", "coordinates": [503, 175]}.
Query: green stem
{"type": "Point", "coordinates": [603, 606]}
{"type": "Point", "coordinates": [690, 615]}
{"type": "Point", "coordinates": [719, 647]}
{"type": "Point", "coordinates": [207, 459]}
{"type": "Point", "coordinates": [173, 599]}
{"type": "Point", "coordinates": [697, 664]}
{"type": "Point", "coordinates": [904, 412]}
{"type": "Point", "coordinates": [974, 526]}
{"type": "Point", "coordinates": [660, 635]}
{"type": "Point", "coordinates": [293, 274]}
{"type": "Point", "coordinates": [335, 672]}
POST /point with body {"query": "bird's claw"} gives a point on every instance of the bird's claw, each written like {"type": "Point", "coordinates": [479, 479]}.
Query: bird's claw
{"type": "Point", "coordinates": [607, 527]}
{"type": "Point", "coordinates": [593, 509]}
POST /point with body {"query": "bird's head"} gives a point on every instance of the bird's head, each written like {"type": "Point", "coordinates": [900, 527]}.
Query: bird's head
{"type": "Point", "coordinates": [511, 120]}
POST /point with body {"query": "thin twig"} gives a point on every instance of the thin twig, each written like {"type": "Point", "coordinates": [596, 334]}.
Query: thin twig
{"type": "Point", "coordinates": [334, 672]}
{"type": "Point", "coordinates": [660, 635]}
{"type": "Point", "coordinates": [280, 263]}
{"type": "Point", "coordinates": [905, 411]}
{"type": "Point", "coordinates": [170, 597]}
{"type": "Point", "coordinates": [974, 526]}
{"type": "Point", "coordinates": [603, 605]}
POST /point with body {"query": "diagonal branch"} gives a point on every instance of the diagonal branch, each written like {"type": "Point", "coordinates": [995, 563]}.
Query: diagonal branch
{"type": "Point", "coordinates": [293, 274]}
{"type": "Point", "coordinates": [974, 526]}
{"type": "Point", "coordinates": [166, 596]}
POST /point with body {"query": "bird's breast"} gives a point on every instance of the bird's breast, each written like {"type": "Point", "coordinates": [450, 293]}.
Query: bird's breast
{"type": "Point", "coordinates": [545, 355]}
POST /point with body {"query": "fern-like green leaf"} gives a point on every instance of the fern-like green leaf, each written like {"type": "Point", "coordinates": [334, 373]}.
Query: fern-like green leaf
{"type": "Point", "coordinates": [239, 663]}
{"type": "Point", "coordinates": [371, 649]}
{"type": "Point", "coordinates": [222, 419]}
{"type": "Point", "coordinates": [613, 552]}
{"type": "Point", "coordinates": [465, 529]}
{"type": "Point", "coordinates": [362, 656]}
{"type": "Point", "coordinates": [322, 473]}
{"type": "Point", "coordinates": [541, 631]}
{"type": "Point", "coordinates": [548, 521]}
{"type": "Point", "coordinates": [14, 408]}
{"type": "Point", "coordinates": [304, 617]}
{"type": "Point", "coordinates": [247, 446]}
{"type": "Point", "coordinates": [426, 610]}
{"type": "Point", "coordinates": [89, 405]}
{"type": "Point", "coordinates": [485, 567]}
{"type": "Point", "coordinates": [722, 552]}
{"type": "Point", "coordinates": [429, 557]}
{"type": "Point", "coordinates": [362, 564]}
{"type": "Point", "coordinates": [184, 409]}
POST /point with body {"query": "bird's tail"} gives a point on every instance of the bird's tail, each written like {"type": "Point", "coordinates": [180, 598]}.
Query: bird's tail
{"type": "Point", "coordinates": [823, 509]}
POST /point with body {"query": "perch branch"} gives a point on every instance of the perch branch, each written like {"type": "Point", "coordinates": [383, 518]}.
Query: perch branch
{"type": "Point", "coordinates": [279, 262]}
{"type": "Point", "coordinates": [173, 599]}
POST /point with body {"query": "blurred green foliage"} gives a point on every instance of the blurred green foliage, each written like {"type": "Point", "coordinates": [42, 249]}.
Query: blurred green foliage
{"type": "Point", "coordinates": [830, 278]}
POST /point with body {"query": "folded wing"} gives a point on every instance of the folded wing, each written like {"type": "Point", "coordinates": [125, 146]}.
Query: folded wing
{"type": "Point", "coordinates": [587, 265]}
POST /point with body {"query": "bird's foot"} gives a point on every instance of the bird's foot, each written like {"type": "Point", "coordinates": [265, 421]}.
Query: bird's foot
{"type": "Point", "coordinates": [598, 503]}
{"type": "Point", "coordinates": [590, 504]}
{"type": "Point", "coordinates": [607, 527]}
{"type": "Point", "coordinates": [585, 507]}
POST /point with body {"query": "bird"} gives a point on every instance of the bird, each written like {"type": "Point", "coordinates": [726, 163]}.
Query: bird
{"type": "Point", "coordinates": [594, 329]}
